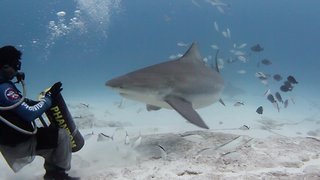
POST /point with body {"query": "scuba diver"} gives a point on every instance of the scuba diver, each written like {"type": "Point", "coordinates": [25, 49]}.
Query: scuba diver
{"type": "Point", "coordinates": [20, 139]}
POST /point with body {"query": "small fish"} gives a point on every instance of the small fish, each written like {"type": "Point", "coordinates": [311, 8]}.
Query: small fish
{"type": "Point", "coordinates": [225, 34]}
{"type": "Point", "coordinates": [61, 13]}
{"type": "Point", "coordinates": [127, 140]}
{"type": "Point", "coordinates": [216, 47]}
{"type": "Point", "coordinates": [163, 152]}
{"type": "Point", "coordinates": [242, 46]}
{"type": "Point", "coordinates": [104, 137]}
{"type": "Point", "coordinates": [284, 88]}
{"type": "Point", "coordinates": [261, 76]}
{"type": "Point", "coordinates": [271, 98]}
{"type": "Point", "coordinates": [292, 80]}
{"type": "Point", "coordinates": [239, 103]}
{"type": "Point", "coordinates": [259, 110]}
{"type": "Point", "coordinates": [244, 127]}
{"type": "Point", "coordinates": [267, 92]}
{"type": "Point", "coordinates": [242, 71]}
{"type": "Point", "coordinates": [257, 48]}
{"type": "Point", "coordinates": [242, 59]}
{"type": "Point", "coordinates": [175, 56]}
{"type": "Point", "coordinates": [239, 53]}
{"type": "Point", "coordinates": [221, 102]}
{"type": "Point", "coordinates": [265, 82]}
{"type": "Point", "coordinates": [216, 26]}
{"type": "Point", "coordinates": [266, 62]}
{"type": "Point", "coordinates": [286, 103]}
{"type": "Point", "coordinates": [152, 107]}
{"type": "Point", "coordinates": [228, 33]}
{"type": "Point", "coordinates": [277, 77]}
{"type": "Point", "coordinates": [288, 85]}
{"type": "Point", "coordinates": [278, 96]}
{"type": "Point", "coordinates": [182, 44]}
{"type": "Point", "coordinates": [85, 105]}
{"type": "Point", "coordinates": [220, 63]}
{"type": "Point", "coordinates": [273, 101]}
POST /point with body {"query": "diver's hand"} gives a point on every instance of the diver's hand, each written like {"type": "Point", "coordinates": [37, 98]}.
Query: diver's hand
{"type": "Point", "coordinates": [55, 90]}
{"type": "Point", "coordinates": [20, 77]}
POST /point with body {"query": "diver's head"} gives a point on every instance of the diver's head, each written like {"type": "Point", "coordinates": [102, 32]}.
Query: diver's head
{"type": "Point", "coordinates": [9, 62]}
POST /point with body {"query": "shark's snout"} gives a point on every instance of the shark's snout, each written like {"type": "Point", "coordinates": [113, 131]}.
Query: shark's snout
{"type": "Point", "coordinates": [115, 83]}
{"type": "Point", "coordinates": [111, 83]}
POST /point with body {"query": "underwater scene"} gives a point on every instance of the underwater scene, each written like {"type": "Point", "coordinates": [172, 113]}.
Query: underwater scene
{"type": "Point", "coordinates": [176, 89]}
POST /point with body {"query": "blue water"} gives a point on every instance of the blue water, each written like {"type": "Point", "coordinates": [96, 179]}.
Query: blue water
{"type": "Point", "coordinates": [113, 37]}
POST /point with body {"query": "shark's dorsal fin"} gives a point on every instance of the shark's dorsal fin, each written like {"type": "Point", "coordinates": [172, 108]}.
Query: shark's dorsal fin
{"type": "Point", "coordinates": [192, 54]}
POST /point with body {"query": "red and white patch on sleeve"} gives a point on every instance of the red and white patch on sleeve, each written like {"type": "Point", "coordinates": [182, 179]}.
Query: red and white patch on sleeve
{"type": "Point", "coordinates": [12, 94]}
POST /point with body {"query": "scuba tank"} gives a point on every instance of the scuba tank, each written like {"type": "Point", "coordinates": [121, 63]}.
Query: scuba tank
{"type": "Point", "coordinates": [58, 115]}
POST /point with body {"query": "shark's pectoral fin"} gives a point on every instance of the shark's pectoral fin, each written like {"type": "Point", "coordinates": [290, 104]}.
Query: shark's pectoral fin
{"type": "Point", "coordinates": [184, 108]}
{"type": "Point", "coordinates": [152, 107]}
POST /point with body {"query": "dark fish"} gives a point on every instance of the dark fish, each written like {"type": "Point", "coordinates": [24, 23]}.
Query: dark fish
{"type": "Point", "coordinates": [278, 96]}
{"type": "Point", "coordinates": [287, 86]}
{"type": "Point", "coordinates": [284, 88]}
{"type": "Point", "coordinates": [239, 103]}
{"type": "Point", "coordinates": [244, 127]}
{"type": "Point", "coordinates": [103, 137]}
{"type": "Point", "coordinates": [286, 103]}
{"type": "Point", "coordinates": [266, 62]}
{"type": "Point", "coordinates": [221, 102]}
{"type": "Point", "coordinates": [259, 110]}
{"type": "Point", "coordinates": [277, 77]}
{"type": "Point", "coordinates": [271, 98]}
{"type": "Point", "coordinates": [257, 48]}
{"type": "Point", "coordinates": [292, 80]}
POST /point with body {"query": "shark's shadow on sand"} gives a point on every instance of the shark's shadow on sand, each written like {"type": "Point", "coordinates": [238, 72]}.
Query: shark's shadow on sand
{"type": "Point", "coordinates": [183, 84]}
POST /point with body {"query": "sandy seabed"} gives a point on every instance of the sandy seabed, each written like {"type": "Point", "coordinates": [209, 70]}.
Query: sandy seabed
{"type": "Point", "coordinates": [124, 141]}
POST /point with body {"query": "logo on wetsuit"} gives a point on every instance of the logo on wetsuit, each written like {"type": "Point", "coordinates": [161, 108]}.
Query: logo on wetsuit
{"type": "Point", "coordinates": [12, 94]}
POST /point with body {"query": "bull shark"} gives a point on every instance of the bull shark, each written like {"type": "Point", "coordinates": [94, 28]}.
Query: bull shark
{"type": "Point", "coordinates": [183, 84]}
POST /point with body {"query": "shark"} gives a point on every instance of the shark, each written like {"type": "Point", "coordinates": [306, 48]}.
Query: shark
{"type": "Point", "coordinates": [183, 84]}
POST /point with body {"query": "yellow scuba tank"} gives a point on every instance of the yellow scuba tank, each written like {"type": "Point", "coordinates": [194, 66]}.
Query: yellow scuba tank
{"type": "Point", "coordinates": [58, 115]}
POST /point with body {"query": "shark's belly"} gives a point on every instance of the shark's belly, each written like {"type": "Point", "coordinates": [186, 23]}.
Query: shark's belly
{"type": "Point", "coordinates": [157, 99]}
{"type": "Point", "coordinates": [203, 100]}
{"type": "Point", "coordinates": [148, 98]}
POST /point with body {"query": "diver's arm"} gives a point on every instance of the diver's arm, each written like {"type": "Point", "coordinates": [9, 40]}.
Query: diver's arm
{"type": "Point", "coordinates": [28, 112]}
